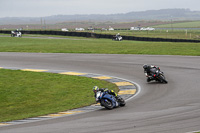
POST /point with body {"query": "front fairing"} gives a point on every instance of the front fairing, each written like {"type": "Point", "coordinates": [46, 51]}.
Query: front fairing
{"type": "Point", "coordinates": [107, 96]}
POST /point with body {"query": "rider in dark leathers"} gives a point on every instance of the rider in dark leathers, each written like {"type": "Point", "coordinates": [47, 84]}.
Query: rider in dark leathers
{"type": "Point", "coordinates": [149, 70]}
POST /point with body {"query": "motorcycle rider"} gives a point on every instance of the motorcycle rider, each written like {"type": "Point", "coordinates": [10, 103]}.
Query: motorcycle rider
{"type": "Point", "coordinates": [16, 31]}
{"type": "Point", "coordinates": [118, 35]}
{"type": "Point", "coordinates": [149, 70]}
{"type": "Point", "coordinates": [111, 92]}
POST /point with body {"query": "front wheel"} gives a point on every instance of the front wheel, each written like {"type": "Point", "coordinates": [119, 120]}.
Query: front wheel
{"type": "Point", "coordinates": [107, 104]}
{"type": "Point", "coordinates": [162, 79]}
{"type": "Point", "coordinates": [165, 81]}
{"type": "Point", "coordinates": [121, 102]}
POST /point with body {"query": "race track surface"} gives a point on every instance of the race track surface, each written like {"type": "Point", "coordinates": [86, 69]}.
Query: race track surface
{"type": "Point", "coordinates": [158, 108]}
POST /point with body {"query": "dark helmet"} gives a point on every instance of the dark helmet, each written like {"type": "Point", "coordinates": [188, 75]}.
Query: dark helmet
{"type": "Point", "coordinates": [145, 66]}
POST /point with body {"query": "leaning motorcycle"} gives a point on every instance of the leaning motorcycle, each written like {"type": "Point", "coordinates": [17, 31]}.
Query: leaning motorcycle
{"type": "Point", "coordinates": [158, 76]}
{"type": "Point", "coordinates": [109, 101]}
{"type": "Point", "coordinates": [117, 38]}
{"type": "Point", "coordinates": [16, 34]}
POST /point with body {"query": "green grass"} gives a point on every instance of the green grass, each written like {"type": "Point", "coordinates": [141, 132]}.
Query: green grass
{"type": "Point", "coordinates": [100, 46]}
{"type": "Point", "coordinates": [28, 94]}
{"type": "Point", "coordinates": [192, 24]}
{"type": "Point", "coordinates": [45, 36]}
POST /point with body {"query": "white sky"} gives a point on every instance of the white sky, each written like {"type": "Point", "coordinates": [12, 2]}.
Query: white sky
{"type": "Point", "coordinates": [41, 8]}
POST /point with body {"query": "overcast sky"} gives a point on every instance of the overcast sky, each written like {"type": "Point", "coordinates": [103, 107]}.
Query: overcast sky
{"type": "Point", "coordinates": [41, 8]}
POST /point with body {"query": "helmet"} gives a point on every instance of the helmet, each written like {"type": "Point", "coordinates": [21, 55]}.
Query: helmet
{"type": "Point", "coordinates": [95, 89]}
{"type": "Point", "coordinates": [145, 66]}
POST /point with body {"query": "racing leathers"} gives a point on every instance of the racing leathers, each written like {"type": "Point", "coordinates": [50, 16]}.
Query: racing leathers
{"type": "Point", "coordinates": [149, 70]}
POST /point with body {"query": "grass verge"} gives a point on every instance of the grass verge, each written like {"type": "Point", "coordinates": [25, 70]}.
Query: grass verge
{"type": "Point", "coordinates": [100, 46]}
{"type": "Point", "coordinates": [29, 94]}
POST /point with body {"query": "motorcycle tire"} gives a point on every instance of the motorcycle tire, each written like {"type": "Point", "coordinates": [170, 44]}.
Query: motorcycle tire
{"type": "Point", "coordinates": [162, 79]}
{"type": "Point", "coordinates": [121, 102]}
{"type": "Point", "coordinates": [165, 81]}
{"type": "Point", "coordinates": [108, 104]}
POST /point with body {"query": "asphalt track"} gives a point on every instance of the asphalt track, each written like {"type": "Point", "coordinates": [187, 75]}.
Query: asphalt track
{"type": "Point", "coordinates": [158, 108]}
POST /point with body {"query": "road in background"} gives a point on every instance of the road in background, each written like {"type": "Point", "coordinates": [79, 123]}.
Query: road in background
{"type": "Point", "coordinates": [166, 108]}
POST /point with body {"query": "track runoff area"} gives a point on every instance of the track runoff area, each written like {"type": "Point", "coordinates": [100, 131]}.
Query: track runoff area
{"type": "Point", "coordinates": [127, 90]}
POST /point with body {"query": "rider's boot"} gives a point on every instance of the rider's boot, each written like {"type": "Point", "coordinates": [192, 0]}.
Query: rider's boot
{"type": "Point", "coordinates": [148, 79]}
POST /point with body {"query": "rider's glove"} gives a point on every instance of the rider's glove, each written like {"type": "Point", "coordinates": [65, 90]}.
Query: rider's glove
{"type": "Point", "coordinates": [97, 100]}
{"type": "Point", "coordinates": [146, 74]}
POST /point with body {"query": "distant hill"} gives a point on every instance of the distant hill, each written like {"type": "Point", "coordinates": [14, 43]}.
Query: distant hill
{"type": "Point", "coordinates": [163, 14]}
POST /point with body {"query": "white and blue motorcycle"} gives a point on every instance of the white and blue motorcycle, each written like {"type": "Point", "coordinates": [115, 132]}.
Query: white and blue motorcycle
{"type": "Point", "coordinates": [109, 101]}
{"type": "Point", "coordinates": [16, 34]}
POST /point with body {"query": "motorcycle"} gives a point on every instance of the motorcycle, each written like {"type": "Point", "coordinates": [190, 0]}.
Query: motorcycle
{"type": "Point", "coordinates": [117, 38]}
{"type": "Point", "coordinates": [109, 101]}
{"type": "Point", "coordinates": [157, 75]}
{"type": "Point", "coordinates": [16, 34]}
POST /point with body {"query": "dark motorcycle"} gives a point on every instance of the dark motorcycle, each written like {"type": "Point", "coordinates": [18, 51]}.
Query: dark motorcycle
{"type": "Point", "coordinates": [109, 101]}
{"type": "Point", "coordinates": [157, 75]}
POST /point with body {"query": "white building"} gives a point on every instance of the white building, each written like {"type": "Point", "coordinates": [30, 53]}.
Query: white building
{"type": "Point", "coordinates": [79, 29]}
{"type": "Point", "coordinates": [64, 29]}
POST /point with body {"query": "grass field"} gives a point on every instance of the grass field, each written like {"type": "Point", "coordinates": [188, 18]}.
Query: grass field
{"type": "Point", "coordinates": [192, 24]}
{"type": "Point", "coordinates": [28, 94]}
{"type": "Point", "coordinates": [100, 46]}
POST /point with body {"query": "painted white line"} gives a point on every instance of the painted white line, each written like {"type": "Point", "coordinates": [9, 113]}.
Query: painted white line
{"type": "Point", "coordinates": [137, 86]}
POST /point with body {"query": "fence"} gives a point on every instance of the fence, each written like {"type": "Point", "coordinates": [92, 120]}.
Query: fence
{"type": "Point", "coordinates": [95, 35]}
